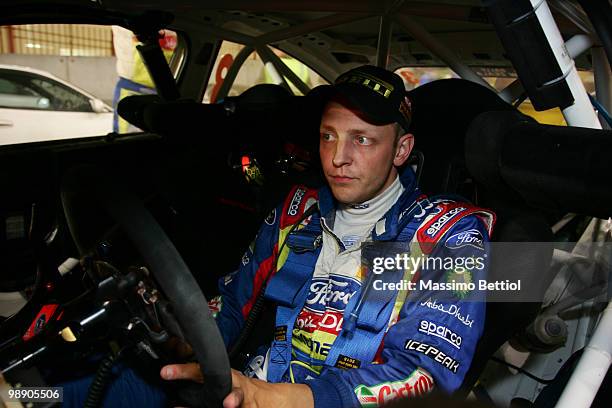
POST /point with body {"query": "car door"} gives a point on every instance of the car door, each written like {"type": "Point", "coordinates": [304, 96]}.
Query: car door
{"type": "Point", "coordinates": [37, 108]}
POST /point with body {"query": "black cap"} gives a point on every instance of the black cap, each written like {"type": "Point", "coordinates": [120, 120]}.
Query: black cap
{"type": "Point", "coordinates": [379, 95]}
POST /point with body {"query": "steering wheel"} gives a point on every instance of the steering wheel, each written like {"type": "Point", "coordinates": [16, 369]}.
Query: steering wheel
{"type": "Point", "coordinates": [87, 183]}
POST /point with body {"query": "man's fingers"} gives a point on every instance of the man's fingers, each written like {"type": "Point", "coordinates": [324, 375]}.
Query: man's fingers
{"type": "Point", "coordinates": [189, 371]}
{"type": "Point", "coordinates": [234, 399]}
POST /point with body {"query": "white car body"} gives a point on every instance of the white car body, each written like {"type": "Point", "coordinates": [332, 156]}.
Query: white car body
{"type": "Point", "coordinates": [30, 118]}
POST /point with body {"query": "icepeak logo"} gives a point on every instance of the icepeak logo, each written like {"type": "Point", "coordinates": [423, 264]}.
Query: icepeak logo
{"type": "Point", "coordinates": [471, 237]}
{"type": "Point", "coordinates": [432, 352]}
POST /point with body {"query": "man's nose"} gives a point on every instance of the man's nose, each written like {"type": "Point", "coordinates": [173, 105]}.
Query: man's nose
{"type": "Point", "coordinates": [342, 155]}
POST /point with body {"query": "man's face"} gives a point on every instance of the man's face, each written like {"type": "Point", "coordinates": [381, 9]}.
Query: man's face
{"type": "Point", "coordinates": [359, 158]}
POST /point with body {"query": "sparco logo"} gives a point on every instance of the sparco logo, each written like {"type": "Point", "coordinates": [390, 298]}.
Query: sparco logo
{"type": "Point", "coordinates": [446, 334]}
{"type": "Point", "coordinates": [471, 238]}
{"type": "Point", "coordinates": [437, 226]}
{"type": "Point", "coordinates": [295, 202]}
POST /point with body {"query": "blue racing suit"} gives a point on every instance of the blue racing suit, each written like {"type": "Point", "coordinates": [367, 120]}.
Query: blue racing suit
{"type": "Point", "coordinates": [398, 328]}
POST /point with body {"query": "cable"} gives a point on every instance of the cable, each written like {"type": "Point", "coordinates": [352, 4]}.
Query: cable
{"type": "Point", "coordinates": [601, 110]}
{"type": "Point", "coordinates": [523, 371]}
{"type": "Point", "coordinates": [100, 382]}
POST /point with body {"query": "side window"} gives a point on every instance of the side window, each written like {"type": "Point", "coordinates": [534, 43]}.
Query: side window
{"type": "Point", "coordinates": [253, 70]}
{"type": "Point", "coordinates": [17, 94]}
{"type": "Point", "coordinates": [62, 98]}
{"type": "Point", "coordinates": [30, 91]}
{"type": "Point", "coordinates": [76, 74]}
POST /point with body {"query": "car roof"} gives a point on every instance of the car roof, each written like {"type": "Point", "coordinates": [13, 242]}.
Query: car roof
{"type": "Point", "coordinates": [31, 71]}
{"type": "Point", "coordinates": [331, 36]}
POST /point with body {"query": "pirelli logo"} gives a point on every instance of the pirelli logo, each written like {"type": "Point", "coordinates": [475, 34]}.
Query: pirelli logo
{"type": "Point", "coordinates": [381, 87]}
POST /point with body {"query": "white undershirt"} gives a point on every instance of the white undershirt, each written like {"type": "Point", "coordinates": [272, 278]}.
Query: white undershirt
{"type": "Point", "coordinates": [355, 221]}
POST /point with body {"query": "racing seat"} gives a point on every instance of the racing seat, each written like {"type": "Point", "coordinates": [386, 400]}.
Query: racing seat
{"type": "Point", "coordinates": [442, 115]}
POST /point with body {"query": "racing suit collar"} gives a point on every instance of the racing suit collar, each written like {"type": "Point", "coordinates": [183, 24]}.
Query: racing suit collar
{"type": "Point", "coordinates": [389, 224]}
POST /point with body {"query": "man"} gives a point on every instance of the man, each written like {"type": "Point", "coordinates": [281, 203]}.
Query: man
{"type": "Point", "coordinates": [134, 78]}
{"type": "Point", "coordinates": [331, 259]}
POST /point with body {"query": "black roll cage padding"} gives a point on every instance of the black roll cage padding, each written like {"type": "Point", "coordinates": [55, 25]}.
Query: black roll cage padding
{"type": "Point", "coordinates": [90, 184]}
{"type": "Point", "coordinates": [600, 14]}
{"type": "Point", "coordinates": [552, 168]}
{"type": "Point", "coordinates": [153, 58]}
{"type": "Point", "coordinates": [528, 48]}
{"type": "Point", "coordinates": [146, 28]}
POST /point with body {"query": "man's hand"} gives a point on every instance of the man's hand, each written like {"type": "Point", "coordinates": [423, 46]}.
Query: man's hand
{"type": "Point", "coordinates": [247, 392]}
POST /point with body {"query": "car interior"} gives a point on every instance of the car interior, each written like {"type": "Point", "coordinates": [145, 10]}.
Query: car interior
{"type": "Point", "coordinates": [166, 213]}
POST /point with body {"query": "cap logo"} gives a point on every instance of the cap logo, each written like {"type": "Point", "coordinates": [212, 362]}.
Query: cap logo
{"type": "Point", "coordinates": [381, 87]}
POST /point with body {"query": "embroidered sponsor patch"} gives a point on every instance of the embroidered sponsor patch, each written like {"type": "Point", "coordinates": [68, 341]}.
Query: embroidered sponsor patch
{"type": "Point", "coordinates": [227, 279]}
{"type": "Point", "coordinates": [333, 292]}
{"type": "Point", "coordinates": [434, 329]}
{"type": "Point", "coordinates": [459, 279]}
{"type": "Point", "coordinates": [294, 205]}
{"type": "Point", "coordinates": [417, 384]}
{"type": "Point", "coordinates": [424, 208]}
{"type": "Point", "coordinates": [245, 259]}
{"type": "Point", "coordinates": [433, 353]}
{"type": "Point", "coordinates": [314, 345]}
{"type": "Point", "coordinates": [346, 362]}
{"type": "Point", "coordinates": [349, 240]}
{"type": "Point", "coordinates": [471, 237]}
{"type": "Point", "coordinates": [434, 228]}
{"type": "Point", "coordinates": [271, 217]}
{"type": "Point", "coordinates": [321, 318]}
{"type": "Point", "coordinates": [280, 333]}
{"type": "Point", "coordinates": [215, 305]}
{"type": "Point", "coordinates": [451, 309]}
{"type": "Point", "coordinates": [308, 320]}
{"type": "Point", "coordinates": [360, 206]}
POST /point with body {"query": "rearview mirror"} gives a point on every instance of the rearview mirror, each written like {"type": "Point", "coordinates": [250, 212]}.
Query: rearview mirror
{"type": "Point", "coordinates": [98, 106]}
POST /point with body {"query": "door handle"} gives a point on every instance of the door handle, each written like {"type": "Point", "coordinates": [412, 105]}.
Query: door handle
{"type": "Point", "coordinates": [4, 122]}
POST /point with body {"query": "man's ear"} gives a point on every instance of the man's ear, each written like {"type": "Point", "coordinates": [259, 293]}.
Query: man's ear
{"type": "Point", "coordinates": [403, 149]}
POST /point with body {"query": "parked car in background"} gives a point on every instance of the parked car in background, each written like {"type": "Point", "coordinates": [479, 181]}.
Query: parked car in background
{"type": "Point", "coordinates": [35, 106]}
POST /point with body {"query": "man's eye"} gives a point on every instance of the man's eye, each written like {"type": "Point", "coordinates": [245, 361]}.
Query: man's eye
{"type": "Point", "coordinates": [327, 137]}
{"type": "Point", "coordinates": [362, 140]}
